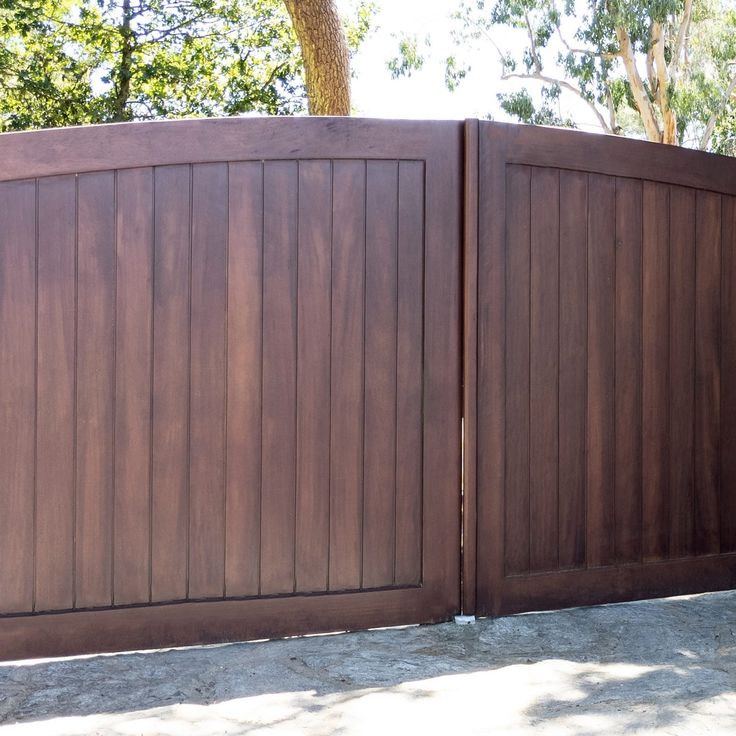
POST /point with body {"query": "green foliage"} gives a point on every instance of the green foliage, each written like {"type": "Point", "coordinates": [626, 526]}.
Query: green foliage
{"type": "Point", "coordinates": [409, 58]}
{"type": "Point", "coordinates": [454, 73]}
{"type": "Point", "coordinates": [702, 92]}
{"type": "Point", "coordinates": [67, 62]}
{"type": "Point", "coordinates": [521, 106]}
{"type": "Point", "coordinates": [359, 25]}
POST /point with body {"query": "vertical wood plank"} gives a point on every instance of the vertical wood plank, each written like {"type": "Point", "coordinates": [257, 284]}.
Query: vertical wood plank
{"type": "Point", "coordinates": [313, 376]}
{"type": "Point", "coordinates": [493, 384]}
{"type": "Point", "coordinates": [55, 433]}
{"type": "Point", "coordinates": [682, 369]}
{"type": "Point", "coordinates": [95, 388]}
{"type": "Point", "coordinates": [628, 418]}
{"type": "Point", "coordinates": [471, 231]}
{"type": "Point", "coordinates": [655, 380]}
{"type": "Point", "coordinates": [133, 324]}
{"type": "Point", "coordinates": [244, 335]}
{"type": "Point", "coordinates": [518, 214]}
{"type": "Point", "coordinates": [707, 371]}
{"type": "Point", "coordinates": [409, 374]}
{"type": "Point", "coordinates": [600, 411]}
{"type": "Point", "coordinates": [380, 373]}
{"type": "Point", "coordinates": [17, 393]}
{"type": "Point", "coordinates": [207, 419]}
{"type": "Point", "coordinates": [346, 425]}
{"type": "Point", "coordinates": [169, 504]}
{"type": "Point", "coordinates": [278, 466]}
{"type": "Point", "coordinates": [442, 441]}
{"type": "Point", "coordinates": [728, 374]}
{"type": "Point", "coordinates": [543, 369]}
{"type": "Point", "coordinates": [572, 364]}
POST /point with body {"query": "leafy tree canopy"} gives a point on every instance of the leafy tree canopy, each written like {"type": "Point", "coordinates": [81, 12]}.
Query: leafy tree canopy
{"type": "Point", "coordinates": [68, 62]}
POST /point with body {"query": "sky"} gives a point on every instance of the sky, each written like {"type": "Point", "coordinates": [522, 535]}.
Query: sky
{"type": "Point", "coordinates": [424, 95]}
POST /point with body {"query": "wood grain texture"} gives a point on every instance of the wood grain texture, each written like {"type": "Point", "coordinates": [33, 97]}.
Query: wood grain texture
{"type": "Point", "coordinates": [278, 459]}
{"type": "Point", "coordinates": [170, 407]}
{"type": "Point", "coordinates": [56, 389]}
{"type": "Point", "coordinates": [442, 372]}
{"type": "Point", "coordinates": [682, 370]}
{"type": "Point", "coordinates": [17, 393]}
{"type": "Point", "coordinates": [347, 375]}
{"type": "Point", "coordinates": [544, 369]}
{"type": "Point", "coordinates": [220, 417]}
{"type": "Point", "coordinates": [628, 360]}
{"type": "Point", "coordinates": [244, 378]}
{"type": "Point", "coordinates": [655, 371]}
{"type": "Point", "coordinates": [126, 145]}
{"type": "Point", "coordinates": [600, 456]}
{"type": "Point", "coordinates": [133, 360]}
{"type": "Point", "coordinates": [727, 496]}
{"type": "Point", "coordinates": [313, 377]}
{"type": "Point", "coordinates": [210, 622]}
{"type": "Point", "coordinates": [208, 381]}
{"type": "Point", "coordinates": [381, 300]}
{"type": "Point", "coordinates": [409, 374]}
{"type": "Point", "coordinates": [518, 258]}
{"type": "Point", "coordinates": [493, 382]}
{"type": "Point", "coordinates": [95, 389]}
{"type": "Point", "coordinates": [572, 366]}
{"type": "Point", "coordinates": [707, 372]}
{"type": "Point", "coordinates": [644, 295]}
{"type": "Point", "coordinates": [471, 217]}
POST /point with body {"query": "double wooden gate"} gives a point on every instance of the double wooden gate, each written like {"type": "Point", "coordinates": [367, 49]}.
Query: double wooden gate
{"type": "Point", "coordinates": [233, 380]}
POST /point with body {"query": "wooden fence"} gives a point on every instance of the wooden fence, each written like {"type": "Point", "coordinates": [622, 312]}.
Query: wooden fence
{"type": "Point", "coordinates": [233, 379]}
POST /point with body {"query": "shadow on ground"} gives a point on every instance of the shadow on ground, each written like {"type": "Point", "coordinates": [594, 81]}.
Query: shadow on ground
{"type": "Point", "coordinates": [664, 666]}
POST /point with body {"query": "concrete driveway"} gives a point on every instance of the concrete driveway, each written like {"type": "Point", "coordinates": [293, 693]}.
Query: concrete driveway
{"type": "Point", "coordinates": [654, 667]}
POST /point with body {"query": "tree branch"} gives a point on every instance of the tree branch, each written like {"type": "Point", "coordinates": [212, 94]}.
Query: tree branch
{"type": "Point", "coordinates": [611, 111]}
{"type": "Point", "coordinates": [710, 126]}
{"type": "Point", "coordinates": [643, 103]}
{"type": "Point", "coordinates": [669, 120]}
{"type": "Point", "coordinates": [564, 85]}
{"type": "Point", "coordinates": [535, 54]}
{"type": "Point", "coordinates": [651, 74]}
{"type": "Point", "coordinates": [682, 34]}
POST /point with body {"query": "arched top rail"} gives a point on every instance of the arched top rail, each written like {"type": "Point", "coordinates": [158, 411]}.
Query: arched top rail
{"type": "Point", "coordinates": [57, 151]}
{"type": "Point", "coordinates": [128, 145]}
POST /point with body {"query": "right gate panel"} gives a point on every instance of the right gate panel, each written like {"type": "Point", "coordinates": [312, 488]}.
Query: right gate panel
{"type": "Point", "coordinates": [606, 386]}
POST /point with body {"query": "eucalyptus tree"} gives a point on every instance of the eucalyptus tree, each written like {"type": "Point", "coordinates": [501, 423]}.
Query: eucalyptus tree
{"type": "Point", "coordinates": [660, 69]}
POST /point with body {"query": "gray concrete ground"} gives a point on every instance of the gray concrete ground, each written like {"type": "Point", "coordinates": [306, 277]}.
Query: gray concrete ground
{"type": "Point", "coordinates": [655, 667]}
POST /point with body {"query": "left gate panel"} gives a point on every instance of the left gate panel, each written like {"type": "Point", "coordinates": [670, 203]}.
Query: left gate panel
{"type": "Point", "coordinates": [229, 383]}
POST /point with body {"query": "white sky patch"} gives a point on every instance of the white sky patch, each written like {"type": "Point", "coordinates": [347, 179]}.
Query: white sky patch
{"type": "Point", "coordinates": [424, 94]}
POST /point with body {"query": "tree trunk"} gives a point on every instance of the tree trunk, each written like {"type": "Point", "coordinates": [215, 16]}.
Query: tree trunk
{"type": "Point", "coordinates": [325, 53]}
{"type": "Point", "coordinates": [669, 119]}
{"type": "Point", "coordinates": [121, 112]}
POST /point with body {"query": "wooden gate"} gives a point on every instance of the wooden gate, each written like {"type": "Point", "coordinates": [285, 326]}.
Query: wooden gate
{"type": "Point", "coordinates": [232, 377]}
{"type": "Point", "coordinates": [601, 422]}
{"type": "Point", "coordinates": [229, 379]}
